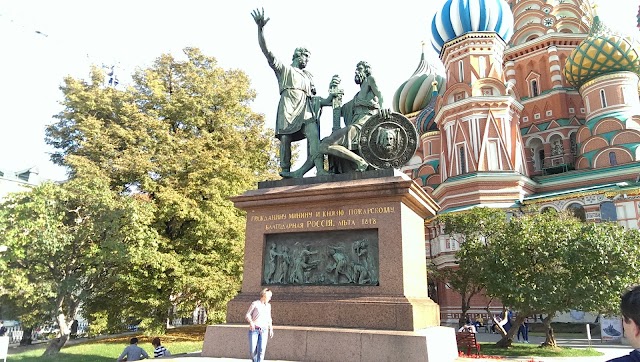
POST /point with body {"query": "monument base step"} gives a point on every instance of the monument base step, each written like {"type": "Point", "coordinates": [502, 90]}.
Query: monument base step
{"type": "Point", "coordinates": [289, 343]}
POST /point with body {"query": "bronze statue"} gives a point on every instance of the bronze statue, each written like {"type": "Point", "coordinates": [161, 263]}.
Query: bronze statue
{"type": "Point", "coordinates": [299, 108]}
{"type": "Point", "coordinates": [344, 143]}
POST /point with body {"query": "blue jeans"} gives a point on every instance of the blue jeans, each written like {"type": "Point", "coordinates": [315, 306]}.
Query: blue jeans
{"type": "Point", "coordinates": [524, 330]}
{"type": "Point", "coordinates": [258, 344]}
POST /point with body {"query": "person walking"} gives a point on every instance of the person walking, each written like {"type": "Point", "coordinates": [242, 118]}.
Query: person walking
{"type": "Point", "coordinates": [524, 331]}
{"type": "Point", "coordinates": [158, 349]}
{"type": "Point", "coordinates": [630, 308]}
{"type": "Point", "coordinates": [3, 329]}
{"type": "Point", "coordinates": [260, 325]}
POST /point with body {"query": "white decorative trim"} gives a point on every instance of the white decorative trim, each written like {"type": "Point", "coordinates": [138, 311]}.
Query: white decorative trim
{"type": "Point", "coordinates": [593, 199]}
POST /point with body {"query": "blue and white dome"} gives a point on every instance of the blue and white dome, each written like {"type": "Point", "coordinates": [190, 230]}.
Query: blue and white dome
{"type": "Point", "coordinates": [458, 17]}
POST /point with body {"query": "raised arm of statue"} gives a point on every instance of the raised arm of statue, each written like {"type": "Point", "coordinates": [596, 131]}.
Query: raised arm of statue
{"type": "Point", "coordinates": [261, 21]}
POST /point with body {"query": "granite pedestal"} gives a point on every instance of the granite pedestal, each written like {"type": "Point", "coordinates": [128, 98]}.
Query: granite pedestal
{"type": "Point", "coordinates": [389, 306]}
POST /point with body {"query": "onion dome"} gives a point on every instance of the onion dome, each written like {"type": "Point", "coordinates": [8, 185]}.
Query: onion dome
{"type": "Point", "coordinates": [416, 93]}
{"type": "Point", "coordinates": [602, 52]}
{"type": "Point", "coordinates": [458, 17]}
{"type": "Point", "coordinates": [425, 119]}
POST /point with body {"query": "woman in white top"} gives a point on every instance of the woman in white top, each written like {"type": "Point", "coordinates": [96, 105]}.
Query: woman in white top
{"type": "Point", "coordinates": [260, 323]}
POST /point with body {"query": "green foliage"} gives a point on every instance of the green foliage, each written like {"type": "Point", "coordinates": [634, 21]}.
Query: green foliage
{"type": "Point", "coordinates": [64, 241]}
{"type": "Point", "coordinates": [548, 263]}
{"type": "Point", "coordinates": [98, 325]}
{"type": "Point", "coordinates": [541, 263]}
{"type": "Point", "coordinates": [472, 230]}
{"type": "Point", "coordinates": [144, 229]}
{"type": "Point", "coordinates": [184, 139]}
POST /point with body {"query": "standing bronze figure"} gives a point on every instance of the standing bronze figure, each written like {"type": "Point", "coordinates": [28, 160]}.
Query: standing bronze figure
{"type": "Point", "coordinates": [299, 109]}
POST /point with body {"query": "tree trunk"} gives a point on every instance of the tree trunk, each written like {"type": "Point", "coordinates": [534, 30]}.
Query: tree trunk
{"type": "Point", "coordinates": [550, 340]}
{"type": "Point", "coordinates": [507, 339]}
{"type": "Point", "coordinates": [26, 336]}
{"type": "Point", "coordinates": [57, 343]}
{"type": "Point", "coordinates": [464, 308]}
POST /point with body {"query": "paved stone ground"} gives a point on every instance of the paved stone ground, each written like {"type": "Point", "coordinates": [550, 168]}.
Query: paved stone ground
{"type": "Point", "coordinates": [610, 351]}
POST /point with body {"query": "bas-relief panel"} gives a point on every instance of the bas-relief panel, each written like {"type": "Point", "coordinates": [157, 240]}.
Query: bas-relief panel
{"type": "Point", "coordinates": [345, 257]}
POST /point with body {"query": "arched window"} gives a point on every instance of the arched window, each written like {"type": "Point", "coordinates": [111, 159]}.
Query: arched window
{"type": "Point", "coordinates": [482, 65]}
{"type": "Point", "coordinates": [608, 211]}
{"type": "Point", "coordinates": [577, 210]}
{"type": "Point", "coordinates": [461, 71]}
{"type": "Point", "coordinates": [463, 161]}
{"type": "Point", "coordinates": [541, 156]}
{"type": "Point", "coordinates": [612, 159]}
{"type": "Point", "coordinates": [603, 98]}
{"type": "Point", "coordinates": [534, 88]}
{"type": "Point", "coordinates": [493, 163]}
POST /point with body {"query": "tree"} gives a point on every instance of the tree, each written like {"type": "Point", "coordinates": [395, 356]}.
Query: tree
{"type": "Point", "coordinates": [63, 242]}
{"type": "Point", "coordinates": [472, 230]}
{"type": "Point", "coordinates": [548, 263]}
{"type": "Point", "coordinates": [183, 138]}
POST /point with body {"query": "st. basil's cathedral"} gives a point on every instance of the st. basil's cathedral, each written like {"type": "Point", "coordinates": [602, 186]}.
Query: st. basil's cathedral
{"type": "Point", "coordinates": [538, 105]}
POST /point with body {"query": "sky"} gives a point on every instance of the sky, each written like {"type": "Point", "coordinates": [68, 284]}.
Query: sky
{"type": "Point", "coordinates": [43, 41]}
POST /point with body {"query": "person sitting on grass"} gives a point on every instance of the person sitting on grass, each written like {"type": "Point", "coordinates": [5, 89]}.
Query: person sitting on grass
{"type": "Point", "coordinates": [132, 352]}
{"type": "Point", "coordinates": [159, 350]}
{"type": "Point", "coordinates": [630, 308]}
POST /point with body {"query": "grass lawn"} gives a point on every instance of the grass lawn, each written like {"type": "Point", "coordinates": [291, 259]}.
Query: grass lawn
{"type": "Point", "coordinates": [526, 350]}
{"type": "Point", "coordinates": [178, 340]}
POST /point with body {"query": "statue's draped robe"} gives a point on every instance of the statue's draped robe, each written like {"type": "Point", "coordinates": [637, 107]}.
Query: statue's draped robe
{"type": "Point", "coordinates": [297, 106]}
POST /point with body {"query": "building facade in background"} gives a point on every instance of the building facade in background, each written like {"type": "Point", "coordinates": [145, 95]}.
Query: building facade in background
{"type": "Point", "coordinates": [538, 105]}
{"type": "Point", "coordinates": [11, 181]}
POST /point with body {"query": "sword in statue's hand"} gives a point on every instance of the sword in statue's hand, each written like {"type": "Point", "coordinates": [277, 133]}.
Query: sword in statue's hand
{"type": "Point", "coordinates": [336, 102]}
